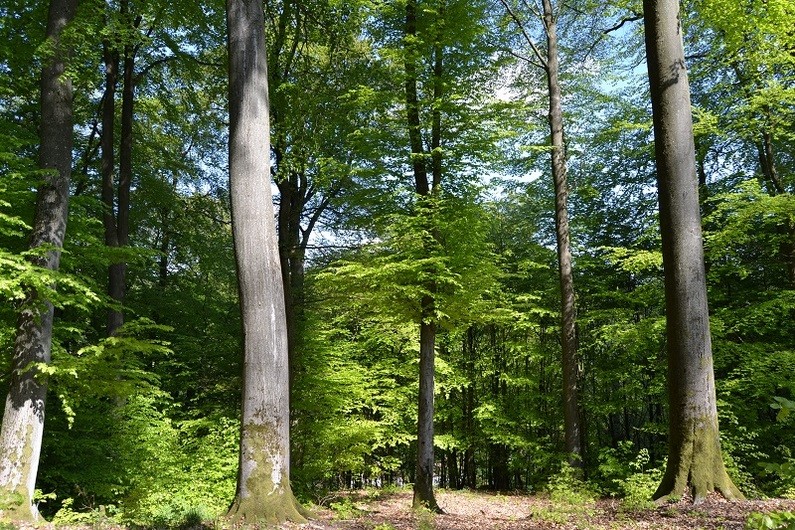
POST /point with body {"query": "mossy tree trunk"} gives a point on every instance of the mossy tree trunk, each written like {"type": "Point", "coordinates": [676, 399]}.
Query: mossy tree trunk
{"type": "Point", "coordinates": [694, 459]}
{"type": "Point", "coordinates": [263, 483]}
{"type": "Point", "coordinates": [23, 418]}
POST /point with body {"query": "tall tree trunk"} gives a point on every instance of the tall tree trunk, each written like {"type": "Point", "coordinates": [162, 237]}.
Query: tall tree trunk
{"type": "Point", "coordinates": [790, 252]}
{"type": "Point", "coordinates": [108, 169]}
{"type": "Point", "coordinates": [694, 458]}
{"type": "Point", "coordinates": [116, 218]}
{"type": "Point", "coordinates": [775, 186]}
{"type": "Point", "coordinates": [568, 308]}
{"type": "Point", "coordinates": [423, 483]}
{"type": "Point", "coordinates": [23, 418]}
{"type": "Point", "coordinates": [412, 103]}
{"type": "Point", "coordinates": [118, 271]}
{"type": "Point", "coordinates": [263, 483]}
{"type": "Point", "coordinates": [292, 191]}
{"type": "Point", "coordinates": [453, 477]}
{"type": "Point", "coordinates": [165, 241]}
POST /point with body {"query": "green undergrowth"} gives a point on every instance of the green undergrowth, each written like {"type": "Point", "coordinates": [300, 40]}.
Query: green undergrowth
{"type": "Point", "coordinates": [628, 476]}
{"type": "Point", "coordinates": [572, 499]}
{"type": "Point", "coordinates": [346, 508]}
{"type": "Point", "coordinates": [771, 521]}
{"type": "Point", "coordinates": [426, 519]}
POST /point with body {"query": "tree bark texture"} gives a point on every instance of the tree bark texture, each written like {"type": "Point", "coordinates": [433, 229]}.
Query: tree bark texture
{"type": "Point", "coordinates": [694, 459]}
{"type": "Point", "coordinates": [263, 485]}
{"type": "Point", "coordinates": [23, 418]}
{"type": "Point", "coordinates": [568, 308]}
{"type": "Point", "coordinates": [423, 483]}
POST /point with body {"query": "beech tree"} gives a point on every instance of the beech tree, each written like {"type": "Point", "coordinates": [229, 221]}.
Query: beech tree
{"type": "Point", "coordinates": [116, 199]}
{"type": "Point", "coordinates": [23, 419]}
{"type": "Point", "coordinates": [263, 482]}
{"type": "Point", "coordinates": [425, 189]}
{"type": "Point", "coordinates": [694, 457]}
{"type": "Point", "coordinates": [549, 62]}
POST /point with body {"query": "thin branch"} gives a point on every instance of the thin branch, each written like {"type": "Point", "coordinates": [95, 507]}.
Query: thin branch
{"type": "Point", "coordinates": [632, 18]}
{"type": "Point", "coordinates": [149, 67]}
{"type": "Point", "coordinates": [526, 59]}
{"type": "Point", "coordinates": [701, 55]}
{"type": "Point", "coordinates": [319, 211]}
{"type": "Point", "coordinates": [527, 37]}
{"type": "Point", "coordinates": [533, 9]}
{"type": "Point", "coordinates": [328, 247]}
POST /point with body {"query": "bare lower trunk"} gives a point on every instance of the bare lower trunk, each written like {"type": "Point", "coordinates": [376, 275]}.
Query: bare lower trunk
{"type": "Point", "coordinates": [263, 484]}
{"type": "Point", "coordinates": [568, 336]}
{"type": "Point", "coordinates": [694, 458]}
{"type": "Point", "coordinates": [423, 482]}
{"type": "Point", "coordinates": [696, 466]}
{"type": "Point", "coordinates": [23, 418]}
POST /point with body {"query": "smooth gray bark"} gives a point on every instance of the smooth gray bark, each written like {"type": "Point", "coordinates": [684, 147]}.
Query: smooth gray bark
{"type": "Point", "coordinates": [263, 484]}
{"type": "Point", "coordinates": [694, 459]}
{"type": "Point", "coordinates": [549, 62]}
{"type": "Point", "coordinates": [23, 418]}
{"type": "Point", "coordinates": [568, 307]}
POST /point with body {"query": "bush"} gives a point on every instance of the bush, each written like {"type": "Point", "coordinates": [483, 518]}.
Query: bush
{"type": "Point", "coordinates": [639, 487]}
{"type": "Point", "coordinates": [771, 521]}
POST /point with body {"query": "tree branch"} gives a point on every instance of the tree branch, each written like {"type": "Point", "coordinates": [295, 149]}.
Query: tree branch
{"type": "Point", "coordinates": [632, 18]}
{"type": "Point", "coordinates": [527, 37]}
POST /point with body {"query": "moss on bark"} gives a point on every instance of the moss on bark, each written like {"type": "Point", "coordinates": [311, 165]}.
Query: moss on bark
{"type": "Point", "coordinates": [695, 464]}
{"type": "Point", "coordinates": [273, 508]}
{"type": "Point", "coordinates": [14, 506]}
{"type": "Point", "coordinates": [264, 493]}
{"type": "Point", "coordinates": [17, 464]}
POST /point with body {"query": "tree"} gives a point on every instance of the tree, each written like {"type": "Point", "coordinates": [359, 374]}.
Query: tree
{"type": "Point", "coordinates": [316, 58]}
{"type": "Point", "coordinates": [263, 483]}
{"type": "Point", "coordinates": [743, 87]}
{"type": "Point", "coordinates": [425, 190]}
{"type": "Point", "coordinates": [549, 62]}
{"type": "Point", "coordinates": [23, 419]}
{"type": "Point", "coordinates": [694, 458]}
{"type": "Point", "coordinates": [116, 213]}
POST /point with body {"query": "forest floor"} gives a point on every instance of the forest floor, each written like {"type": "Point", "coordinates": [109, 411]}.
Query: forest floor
{"type": "Point", "coordinates": [478, 510]}
{"type": "Point", "coordinates": [467, 510]}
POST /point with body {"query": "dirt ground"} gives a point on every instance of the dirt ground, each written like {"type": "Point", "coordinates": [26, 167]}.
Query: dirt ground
{"type": "Point", "coordinates": [466, 510]}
